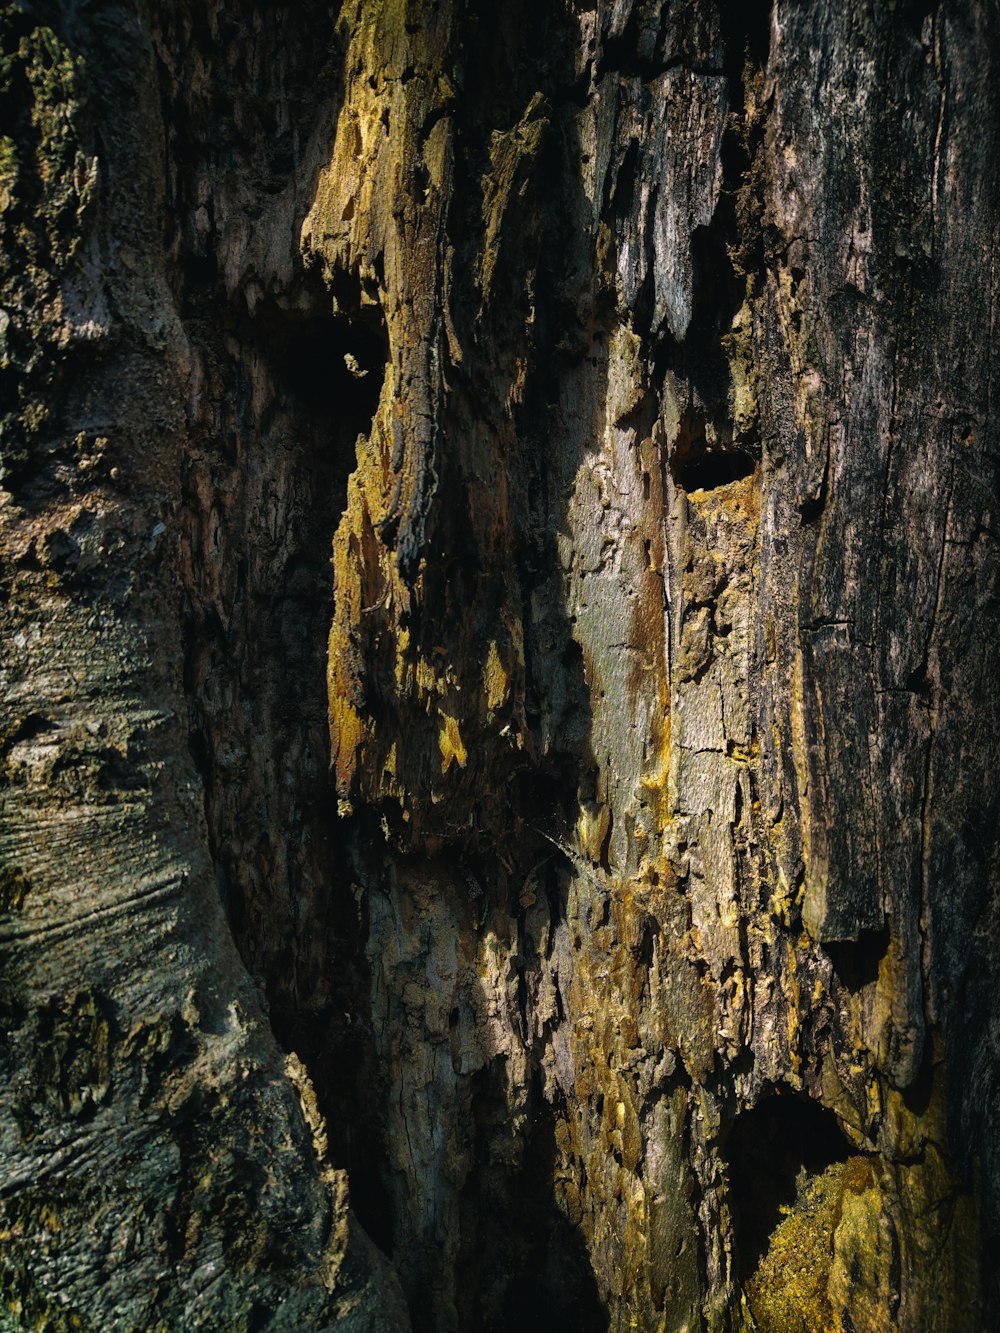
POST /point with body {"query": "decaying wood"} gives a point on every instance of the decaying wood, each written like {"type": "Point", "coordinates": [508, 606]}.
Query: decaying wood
{"type": "Point", "coordinates": [634, 967]}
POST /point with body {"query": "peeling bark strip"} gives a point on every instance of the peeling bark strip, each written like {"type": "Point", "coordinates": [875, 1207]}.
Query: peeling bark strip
{"type": "Point", "coordinates": [634, 965]}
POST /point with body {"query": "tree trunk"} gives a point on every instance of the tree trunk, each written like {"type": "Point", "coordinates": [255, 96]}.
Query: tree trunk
{"type": "Point", "coordinates": [609, 941]}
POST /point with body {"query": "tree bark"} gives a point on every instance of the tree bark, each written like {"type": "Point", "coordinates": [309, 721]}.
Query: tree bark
{"type": "Point", "coordinates": [579, 910]}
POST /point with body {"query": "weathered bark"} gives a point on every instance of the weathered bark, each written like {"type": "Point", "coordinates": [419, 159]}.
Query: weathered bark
{"type": "Point", "coordinates": [635, 966]}
{"type": "Point", "coordinates": [158, 1164]}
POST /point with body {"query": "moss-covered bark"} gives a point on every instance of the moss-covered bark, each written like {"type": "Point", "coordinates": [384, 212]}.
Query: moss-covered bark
{"type": "Point", "coordinates": [635, 964]}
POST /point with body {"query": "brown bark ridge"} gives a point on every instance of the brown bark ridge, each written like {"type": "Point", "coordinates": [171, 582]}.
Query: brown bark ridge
{"type": "Point", "coordinates": [633, 966]}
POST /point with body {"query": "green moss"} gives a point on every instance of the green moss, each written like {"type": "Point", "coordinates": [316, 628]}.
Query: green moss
{"type": "Point", "coordinates": [29, 1224]}
{"type": "Point", "coordinates": [48, 180]}
{"type": "Point", "coordinates": [9, 166]}
{"type": "Point", "coordinates": [32, 1309]}
{"type": "Point", "coordinates": [66, 176]}
{"type": "Point", "coordinates": [14, 888]}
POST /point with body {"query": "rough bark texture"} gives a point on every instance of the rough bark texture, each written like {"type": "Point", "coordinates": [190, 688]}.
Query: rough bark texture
{"type": "Point", "coordinates": [635, 965]}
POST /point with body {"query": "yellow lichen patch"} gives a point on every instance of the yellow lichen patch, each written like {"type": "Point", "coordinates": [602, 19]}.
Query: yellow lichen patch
{"type": "Point", "coordinates": [496, 681]}
{"type": "Point", "coordinates": [428, 680]}
{"type": "Point", "coordinates": [858, 1175]}
{"type": "Point", "coordinates": [346, 733]}
{"type": "Point", "coordinates": [828, 1261]}
{"type": "Point", "coordinates": [656, 781]}
{"type": "Point", "coordinates": [404, 664]}
{"type": "Point", "coordinates": [593, 827]}
{"type": "Point", "coordinates": [781, 900]}
{"type": "Point", "coordinates": [450, 744]}
{"type": "Point", "coordinates": [860, 1284]}
{"type": "Point", "coordinates": [737, 500]}
{"type": "Point", "coordinates": [788, 1291]}
{"type": "Point", "coordinates": [729, 913]}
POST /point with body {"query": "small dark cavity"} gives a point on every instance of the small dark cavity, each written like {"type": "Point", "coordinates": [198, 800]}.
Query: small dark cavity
{"type": "Point", "coordinates": [334, 366]}
{"type": "Point", "coordinates": [856, 962]}
{"type": "Point", "coordinates": [35, 724]}
{"type": "Point", "coordinates": [713, 470]}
